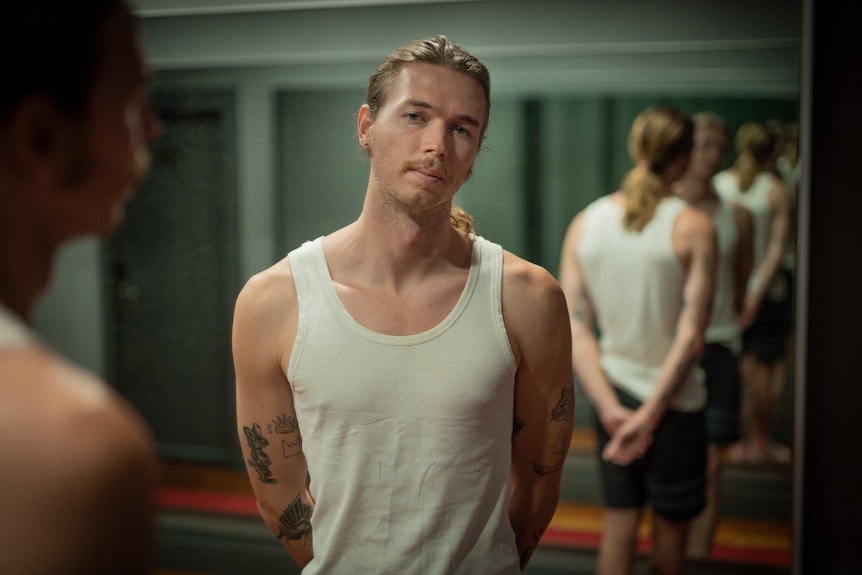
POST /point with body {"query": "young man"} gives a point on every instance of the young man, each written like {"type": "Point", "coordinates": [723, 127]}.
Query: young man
{"type": "Point", "coordinates": [640, 263]}
{"type": "Point", "coordinates": [720, 361]}
{"type": "Point", "coordinates": [766, 308]}
{"type": "Point", "coordinates": [417, 375]}
{"type": "Point", "coordinates": [76, 484]}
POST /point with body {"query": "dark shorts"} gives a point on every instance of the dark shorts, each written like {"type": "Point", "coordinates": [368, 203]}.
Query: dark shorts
{"type": "Point", "coordinates": [766, 337]}
{"type": "Point", "coordinates": [671, 475]}
{"type": "Point", "coordinates": [723, 386]}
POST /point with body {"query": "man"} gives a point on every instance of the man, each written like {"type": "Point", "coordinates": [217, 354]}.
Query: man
{"type": "Point", "coordinates": [720, 361]}
{"type": "Point", "coordinates": [640, 264]}
{"type": "Point", "coordinates": [418, 375]}
{"type": "Point", "coordinates": [76, 483]}
{"type": "Point", "coordinates": [766, 313]}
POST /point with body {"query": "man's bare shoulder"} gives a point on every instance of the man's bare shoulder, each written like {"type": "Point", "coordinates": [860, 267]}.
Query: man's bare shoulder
{"type": "Point", "coordinates": [77, 458]}
{"type": "Point", "coordinates": [65, 412]}
{"type": "Point", "coordinates": [268, 292]}
{"type": "Point", "coordinates": [532, 297]}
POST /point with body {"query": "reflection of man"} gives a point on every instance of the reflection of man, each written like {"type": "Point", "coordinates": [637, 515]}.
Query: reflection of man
{"type": "Point", "coordinates": [720, 361]}
{"type": "Point", "coordinates": [77, 463]}
{"type": "Point", "coordinates": [428, 369]}
{"type": "Point", "coordinates": [640, 263]}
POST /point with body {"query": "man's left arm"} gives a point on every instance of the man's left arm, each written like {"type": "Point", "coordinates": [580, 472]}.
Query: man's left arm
{"type": "Point", "coordinates": [536, 318]}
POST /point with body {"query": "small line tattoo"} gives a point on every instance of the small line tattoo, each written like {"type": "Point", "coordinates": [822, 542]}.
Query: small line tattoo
{"type": "Point", "coordinates": [289, 449]}
{"type": "Point", "coordinates": [282, 424]}
{"type": "Point", "coordinates": [517, 425]}
{"type": "Point", "coordinates": [259, 460]}
{"type": "Point", "coordinates": [295, 522]}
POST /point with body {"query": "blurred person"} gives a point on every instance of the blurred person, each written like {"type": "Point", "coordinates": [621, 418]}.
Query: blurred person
{"type": "Point", "coordinates": [404, 386]}
{"type": "Point", "coordinates": [76, 486]}
{"type": "Point", "coordinates": [639, 265]}
{"type": "Point", "coordinates": [720, 361]}
{"type": "Point", "coordinates": [766, 313]}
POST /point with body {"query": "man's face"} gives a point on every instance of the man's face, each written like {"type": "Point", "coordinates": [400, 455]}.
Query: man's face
{"type": "Point", "coordinates": [118, 126]}
{"type": "Point", "coordinates": [425, 137]}
{"type": "Point", "coordinates": [707, 154]}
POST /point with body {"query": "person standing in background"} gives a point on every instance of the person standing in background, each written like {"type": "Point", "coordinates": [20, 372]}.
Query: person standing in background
{"type": "Point", "coordinates": [765, 315]}
{"type": "Point", "coordinates": [720, 361]}
{"type": "Point", "coordinates": [78, 475]}
{"type": "Point", "coordinates": [640, 264]}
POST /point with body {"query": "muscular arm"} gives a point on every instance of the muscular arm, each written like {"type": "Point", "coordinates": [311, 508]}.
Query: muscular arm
{"type": "Point", "coordinates": [779, 232]}
{"type": "Point", "coordinates": [263, 332]}
{"type": "Point", "coordinates": [744, 255]}
{"type": "Point", "coordinates": [535, 316]}
{"type": "Point", "coordinates": [585, 347]}
{"type": "Point", "coordinates": [695, 244]}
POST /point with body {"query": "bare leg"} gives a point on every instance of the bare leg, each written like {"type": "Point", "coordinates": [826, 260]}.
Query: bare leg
{"type": "Point", "coordinates": [617, 548]}
{"type": "Point", "coordinates": [762, 374]}
{"type": "Point", "coordinates": [669, 540]}
{"type": "Point", "coordinates": [702, 530]}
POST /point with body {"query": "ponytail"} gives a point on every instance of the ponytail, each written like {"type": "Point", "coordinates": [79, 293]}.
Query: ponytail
{"type": "Point", "coordinates": [461, 220]}
{"type": "Point", "coordinates": [642, 189]}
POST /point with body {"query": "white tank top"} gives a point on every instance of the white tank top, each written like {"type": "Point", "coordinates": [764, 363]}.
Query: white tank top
{"type": "Point", "coordinates": [13, 332]}
{"type": "Point", "coordinates": [408, 438]}
{"type": "Point", "coordinates": [635, 282]}
{"type": "Point", "coordinates": [722, 326]}
{"type": "Point", "coordinates": [756, 200]}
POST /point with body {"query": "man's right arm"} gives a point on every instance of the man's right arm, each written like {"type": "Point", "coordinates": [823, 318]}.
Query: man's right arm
{"type": "Point", "coordinates": [264, 329]}
{"type": "Point", "coordinates": [586, 357]}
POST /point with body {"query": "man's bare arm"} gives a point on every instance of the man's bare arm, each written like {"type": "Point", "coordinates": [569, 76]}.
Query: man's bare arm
{"type": "Point", "coordinates": [779, 233]}
{"type": "Point", "coordinates": [263, 332]}
{"type": "Point", "coordinates": [744, 255]}
{"type": "Point", "coordinates": [586, 357]}
{"type": "Point", "coordinates": [695, 243]}
{"type": "Point", "coordinates": [535, 315]}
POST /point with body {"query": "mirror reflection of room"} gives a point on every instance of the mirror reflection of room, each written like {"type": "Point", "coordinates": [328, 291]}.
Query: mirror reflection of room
{"type": "Point", "coordinates": [260, 153]}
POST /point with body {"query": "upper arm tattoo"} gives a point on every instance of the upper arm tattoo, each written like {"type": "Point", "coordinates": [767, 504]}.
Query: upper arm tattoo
{"type": "Point", "coordinates": [259, 460]}
{"type": "Point", "coordinates": [555, 460]}
{"type": "Point", "coordinates": [286, 424]}
{"type": "Point", "coordinates": [517, 425]}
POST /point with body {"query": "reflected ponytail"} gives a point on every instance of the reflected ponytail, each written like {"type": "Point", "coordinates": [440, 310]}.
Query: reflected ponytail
{"type": "Point", "coordinates": [755, 144]}
{"type": "Point", "coordinates": [658, 137]}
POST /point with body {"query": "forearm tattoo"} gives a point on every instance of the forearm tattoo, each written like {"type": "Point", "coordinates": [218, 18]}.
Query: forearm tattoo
{"type": "Point", "coordinates": [565, 408]}
{"type": "Point", "coordinates": [295, 523]}
{"type": "Point", "coordinates": [259, 460]}
{"type": "Point", "coordinates": [556, 459]}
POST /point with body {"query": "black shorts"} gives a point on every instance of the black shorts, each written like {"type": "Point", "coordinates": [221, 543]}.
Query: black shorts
{"type": "Point", "coordinates": [723, 387]}
{"type": "Point", "coordinates": [766, 337]}
{"type": "Point", "coordinates": [672, 473]}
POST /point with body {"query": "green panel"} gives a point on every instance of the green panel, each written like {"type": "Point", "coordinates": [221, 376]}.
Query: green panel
{"type": "Point", "coordinates": [322, 173]}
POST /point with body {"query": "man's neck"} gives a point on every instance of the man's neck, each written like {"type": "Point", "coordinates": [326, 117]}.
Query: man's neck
{"type": "Point", "coordinates": [697, 192]}
{"type": "Point", "coordinates": [25, 269]}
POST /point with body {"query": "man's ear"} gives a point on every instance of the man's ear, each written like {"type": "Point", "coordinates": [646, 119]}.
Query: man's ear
{"type": "Point", "coordinates": [36, 133]}
{"type": "Point", "coordinates": [363, 125]}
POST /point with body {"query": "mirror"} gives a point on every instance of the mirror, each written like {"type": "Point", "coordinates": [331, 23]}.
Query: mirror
{"type": "Point", "coordinates": [260, 154]}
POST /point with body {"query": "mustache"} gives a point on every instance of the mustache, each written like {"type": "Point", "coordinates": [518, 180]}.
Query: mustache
{"type": "Point", "coordinates": [433, 164]}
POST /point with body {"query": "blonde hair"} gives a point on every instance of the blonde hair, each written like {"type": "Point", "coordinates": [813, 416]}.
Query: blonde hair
{"type": "Point", "coordinates": [461, 220]}
{"type": "Point", "coordinates": [657, 137]}
{"type": "Point", "coordinates": [755, 145]}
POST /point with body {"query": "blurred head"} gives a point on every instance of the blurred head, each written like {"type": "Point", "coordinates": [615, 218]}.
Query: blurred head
{"type": "Point", "coordinates": [74, 121]}
{"type": "Point", "coordinates": [710, 145]}
{"type": "Point", "coordinates": [660, 144]}
{"type": "Point", "coordinates": [435, 51]}
{"type": "Point", "coordinates": [755, 147]}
